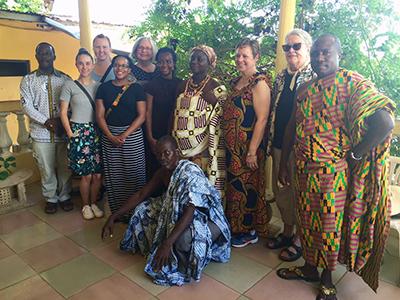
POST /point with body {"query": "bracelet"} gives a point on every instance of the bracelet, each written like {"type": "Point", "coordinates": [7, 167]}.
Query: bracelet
{"type": "Point", "coordinates": [355, 157]}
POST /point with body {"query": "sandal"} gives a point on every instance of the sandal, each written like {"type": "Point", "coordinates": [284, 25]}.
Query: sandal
{"type": "Point", "coordinates": [295, 273]}
{"type": "Point", "coordinates": [291, 255]}
{"type": "Point", "coordinates": [50, 208]}
{"type": "Point", "coordinates": [326, 293]}
{"type": "Point", "coordinates": [279, 242]}
{"type": "Point", "coordinates": [66, 205]}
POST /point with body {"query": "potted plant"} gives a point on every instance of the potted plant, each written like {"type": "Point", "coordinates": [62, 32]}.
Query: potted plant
{"type": "Point", "coordinates": [7, 166]}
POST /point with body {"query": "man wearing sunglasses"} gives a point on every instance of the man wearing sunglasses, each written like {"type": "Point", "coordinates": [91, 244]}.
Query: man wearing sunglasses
{"type": "Point", "coordinates": [340, 133]}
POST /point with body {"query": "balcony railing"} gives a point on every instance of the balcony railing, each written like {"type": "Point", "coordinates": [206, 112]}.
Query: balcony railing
{"type": "Point", "coordinates": [23, 142]}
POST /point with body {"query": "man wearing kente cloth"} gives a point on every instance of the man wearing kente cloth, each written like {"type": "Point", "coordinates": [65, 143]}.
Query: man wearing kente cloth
{"type": "Point", "coordinates": [340, 132]}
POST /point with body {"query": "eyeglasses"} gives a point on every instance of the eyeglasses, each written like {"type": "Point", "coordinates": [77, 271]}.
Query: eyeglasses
{"type": "Point", "coordinates": [123, 66]}
{"type": "Point", "coordinates": [141, 48]}
{"type": "Point", "coordinates": [287, 47]}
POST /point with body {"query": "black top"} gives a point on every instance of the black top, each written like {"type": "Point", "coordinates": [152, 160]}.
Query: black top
{"type": "Point", "coordinates": [143, 76]}
{"type": "Point", "coordinates": [164, 98]}
{"type": "Point", "coordinates": [283, 111]}
{"type": "Point", "coordinates": [125, 112]}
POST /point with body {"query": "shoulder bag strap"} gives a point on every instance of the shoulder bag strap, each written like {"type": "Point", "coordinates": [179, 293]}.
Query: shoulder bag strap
{"type": "Point", "coordinates": [106, 73]}
{"type": "Point", "coordinates": [86, 93]}
{"type": "Point", "coordinates": [116, 100]}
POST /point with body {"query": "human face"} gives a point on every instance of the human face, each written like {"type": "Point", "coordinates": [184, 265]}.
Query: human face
{"type": "Point", "coordinates": [167, 155]}
{"type": "Point", "coordinates": [166, 64]}
{"type": "Point", "coordinates": [101, 49]}
{"type": "Point", "coordinates": [245, 61]}
{"type": "Point", "coordinates": [84, 64]}
{"type": "Point", "coordinates": [199, 62]}
{"type": "Point", "coordinates": [121, 68]}
{"type": "Point", "coordinates": [324, 56]}
{"type": "Point", "coordinates": [296, 58]}
{"type": "Point", "coordinates": [45, 57]}
{"type": "Point", "coordinates": [144, 52]}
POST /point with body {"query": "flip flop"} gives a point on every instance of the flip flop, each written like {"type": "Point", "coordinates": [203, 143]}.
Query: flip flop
{"type": "Point", "coordinates": [296, 274]}
{"type": "Point", "coordinates": [292, 256]}
{"type": "Point", "coordinates": [279, 242]}
{"type": "Point", "coordinates": [326, 293]}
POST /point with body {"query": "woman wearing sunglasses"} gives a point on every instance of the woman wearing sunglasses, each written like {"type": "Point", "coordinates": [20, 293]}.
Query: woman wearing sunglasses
{"type": "Point", "coordinates": [297, 52]}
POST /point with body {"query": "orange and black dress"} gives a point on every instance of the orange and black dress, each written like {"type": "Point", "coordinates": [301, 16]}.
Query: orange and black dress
{"type": "Point", "coordinates": [245, 200]}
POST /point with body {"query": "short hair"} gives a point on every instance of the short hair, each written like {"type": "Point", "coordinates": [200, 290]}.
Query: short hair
{"type": "Point", "coordinates": [253, 44]}
{"type": "Point", "coordinates": [130, 62]}
{"type": "Point", "coordinates": [137, 44]}
{"type": "Point", "coordinates": [336, 41]}
{"type": "Point", "coordinates": [45, 44]}
{"type": "Point", "coordinates": [83, 51]}
{"type": "Point", "coordinates": [167, 50]}
{"type": "Point", "coordinates": [303, 35]}
{"type": "Point", "coordinates": [102, 36]}
{"type": "Point", "coordinates": [168, 139]}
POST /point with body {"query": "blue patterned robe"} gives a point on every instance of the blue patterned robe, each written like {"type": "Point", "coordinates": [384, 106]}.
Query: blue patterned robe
{"type": "Point", "coordinates": [155, 218]}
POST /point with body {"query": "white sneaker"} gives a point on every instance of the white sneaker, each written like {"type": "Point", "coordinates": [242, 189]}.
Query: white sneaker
{"type": "Point", "coordinates": [97, 211]}
{"type": "Point", "coordinates": [87, 212]}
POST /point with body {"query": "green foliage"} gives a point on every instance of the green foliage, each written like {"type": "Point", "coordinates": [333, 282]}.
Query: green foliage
{"type": "Point", "coordinates": [7, 164]}
{"type": "Point", "coordinates": [33, 6]}
{"type": "Point", "coordinates": [367, 29]}
{"type": "Point", "coordinates": [369, 32]}
{"type": "Point", "coordinates": [216, 23]}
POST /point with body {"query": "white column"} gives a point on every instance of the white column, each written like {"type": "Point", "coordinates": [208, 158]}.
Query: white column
{"type": "Point", "coordinates": [5, 140]}
{"type": "Point", "coordinates": [23, 134]}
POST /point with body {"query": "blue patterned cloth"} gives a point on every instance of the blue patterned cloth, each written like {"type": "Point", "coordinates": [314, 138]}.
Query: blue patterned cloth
{"type": "Point", "coordinates": [155, 218]}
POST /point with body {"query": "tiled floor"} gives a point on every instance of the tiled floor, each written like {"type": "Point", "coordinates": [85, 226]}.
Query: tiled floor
{"type": "Point", "coordinates": [62, 256]}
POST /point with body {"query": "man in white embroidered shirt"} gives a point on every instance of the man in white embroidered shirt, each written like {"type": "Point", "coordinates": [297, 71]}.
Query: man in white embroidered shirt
{"type": "Point", "coordinates": [40, 92]}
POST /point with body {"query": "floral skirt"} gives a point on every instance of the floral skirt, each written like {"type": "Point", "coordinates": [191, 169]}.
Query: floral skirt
{"type": "Point", "coordinates": [84, 149]}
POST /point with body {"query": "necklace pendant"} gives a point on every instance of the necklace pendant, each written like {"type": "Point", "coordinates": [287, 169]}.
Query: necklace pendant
{"type": "Point", "coordinates": [185, 102]}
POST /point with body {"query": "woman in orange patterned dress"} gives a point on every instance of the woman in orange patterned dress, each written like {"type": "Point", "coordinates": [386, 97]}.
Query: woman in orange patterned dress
{"type": "Point", "coordinates": [245, 118]}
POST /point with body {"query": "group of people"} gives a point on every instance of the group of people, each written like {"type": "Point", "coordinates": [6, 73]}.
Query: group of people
{"type": "Point", "coordinates": [206, 191]}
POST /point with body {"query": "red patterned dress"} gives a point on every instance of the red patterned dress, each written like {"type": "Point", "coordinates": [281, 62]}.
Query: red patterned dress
{"type": "Point", "coordinates": [246, 208]}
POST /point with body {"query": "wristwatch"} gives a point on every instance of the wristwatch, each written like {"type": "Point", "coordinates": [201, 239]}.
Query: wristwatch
{"type": "Point", "coordinates": [355, 157]}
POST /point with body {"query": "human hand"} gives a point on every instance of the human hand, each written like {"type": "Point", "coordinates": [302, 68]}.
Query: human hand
{"type": "Point", "coordinates": [161, 258]}
{"type": "Point", "coordinates": [251, 161]}
{"type": "Point", "coordinates": [108, 228]}
{"type": "Point", "coordinates": [115, 140]}
{"type": "Point", "coordinates": [121, 139]}
{"type": "Point", "coordinates": [51, 124]}
{"type": "Point", "coordinates": [153, 143]}
{"type": "Point", "coordinates": [283, 175]}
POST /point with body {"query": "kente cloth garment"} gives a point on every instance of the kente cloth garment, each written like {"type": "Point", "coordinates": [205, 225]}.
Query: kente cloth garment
{"type": "Point", "coordinates": [197, 130]}
{"type": "Point", "coordinates": [245, 193]}
{"type": "Point", "coordinates": [343, 215]}
{"type": "Point", "coordinates": [304, 75]}
{"type": "Point", "coordinates": [154, 220]}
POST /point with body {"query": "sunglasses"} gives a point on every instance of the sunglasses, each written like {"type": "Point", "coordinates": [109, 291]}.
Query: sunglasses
{"type": "Point", "coordinates": [296, 46]}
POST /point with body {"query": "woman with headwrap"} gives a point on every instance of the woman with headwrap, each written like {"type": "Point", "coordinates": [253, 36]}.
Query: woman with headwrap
{"type": "Point", "coordinates": [197, 117]}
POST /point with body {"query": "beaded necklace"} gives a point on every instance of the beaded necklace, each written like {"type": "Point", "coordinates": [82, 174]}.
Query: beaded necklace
{"type": "Point", "coordinates": [195, 89]}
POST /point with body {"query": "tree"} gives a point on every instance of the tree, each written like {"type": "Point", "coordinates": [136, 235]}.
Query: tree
{"type": "Point", "coordinates": [367, 29]}
{"type": "Point", "coordinates": [216, 23]}
{"type": "Point", "coordinates": [33, 6]}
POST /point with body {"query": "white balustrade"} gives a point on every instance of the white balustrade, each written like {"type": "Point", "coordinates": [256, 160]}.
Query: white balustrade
{"type": "Point", "coordinates": [5, 139]}
{"type": "Point", "coordinates": [23, 134]}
